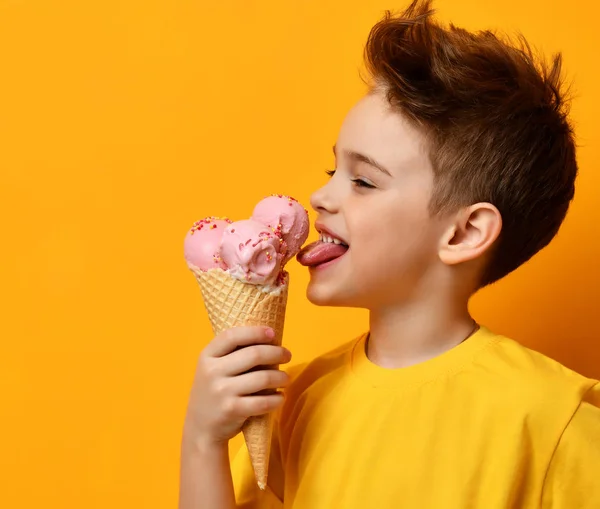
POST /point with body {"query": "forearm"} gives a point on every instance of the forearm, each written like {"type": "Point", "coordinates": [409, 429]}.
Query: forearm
{"type": "Point", "coordinates": [205, 478]}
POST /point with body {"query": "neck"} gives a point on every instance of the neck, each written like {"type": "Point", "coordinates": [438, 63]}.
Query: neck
{"type": "Point", "coordinates": [407, 334]}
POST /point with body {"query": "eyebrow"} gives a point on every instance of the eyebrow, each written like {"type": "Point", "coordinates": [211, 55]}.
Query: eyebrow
{"type": "Point", "coordinates": [357, 156]}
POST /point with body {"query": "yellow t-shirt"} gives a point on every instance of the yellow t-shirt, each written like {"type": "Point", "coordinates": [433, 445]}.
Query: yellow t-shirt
{"type": "Point", "coordinates": [489, 424]}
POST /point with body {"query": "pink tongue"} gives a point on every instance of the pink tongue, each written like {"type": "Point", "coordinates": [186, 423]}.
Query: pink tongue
{"type": "Point", "coordinates": [320, 252]}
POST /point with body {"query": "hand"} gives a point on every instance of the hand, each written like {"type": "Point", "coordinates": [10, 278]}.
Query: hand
{"type": "Point", "coordinates": [236, 378]}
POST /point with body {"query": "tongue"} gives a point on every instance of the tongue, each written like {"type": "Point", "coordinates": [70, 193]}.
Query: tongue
{"type": "Point", "coordinates": [320, 252]}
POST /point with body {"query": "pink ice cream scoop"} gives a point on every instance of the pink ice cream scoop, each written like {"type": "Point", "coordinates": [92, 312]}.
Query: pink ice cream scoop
{"type": "Point", "coordinates": [251, 251]}
{"type": "Point", "coordinates": [201, 246]}
{"type": "Point", "coordinates": [287, 219]}
{"type": "Point", "coordinates": [255, 250]}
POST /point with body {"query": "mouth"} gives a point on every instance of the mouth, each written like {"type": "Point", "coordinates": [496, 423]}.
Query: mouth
{"type": "Point", "coordinates": [328, 249]}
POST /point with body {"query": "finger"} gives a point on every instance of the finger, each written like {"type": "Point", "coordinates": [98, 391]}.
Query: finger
{"type": "Point", "coordinates": [259, 405]}
{"type": "Point", "coordinates": [256, 381]}
{"type": "Point", "coordinates": [252, 356]}
{"type": "Point", "coordinates": [230, 339]}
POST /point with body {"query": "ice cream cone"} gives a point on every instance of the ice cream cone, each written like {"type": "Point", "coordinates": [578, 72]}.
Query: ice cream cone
{"type": "Point", "coordinates": [230, 303]}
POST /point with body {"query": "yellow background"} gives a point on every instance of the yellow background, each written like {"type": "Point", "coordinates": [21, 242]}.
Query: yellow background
{"type": "Point", "coordinates": [122, 122]}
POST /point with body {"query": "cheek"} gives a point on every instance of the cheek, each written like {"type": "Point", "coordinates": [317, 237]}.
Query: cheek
{"type": "Point", "coordinates": [385, 218]}
{"type": "Point", "coordinates": [392, 238]}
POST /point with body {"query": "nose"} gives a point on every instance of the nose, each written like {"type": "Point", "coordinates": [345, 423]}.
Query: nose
{"type": "Point", "coordinates": [322, 200]}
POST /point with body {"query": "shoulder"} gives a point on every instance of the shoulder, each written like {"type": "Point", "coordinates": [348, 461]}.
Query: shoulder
{"type": "Point", "coordinates": [322, 365]}
{"type": "Point", "coordinates": [584, 427]}
{"type": "Point", "coordinates": [526, 382]}
{"type": "Point", "coordinates": [571, 479]}
{"type": "Point", "coordinates": [518, 365]}
{"type": "Point", "coordinates": [326, 365]}
{"type": "Point", "coordinates": [585, 423]}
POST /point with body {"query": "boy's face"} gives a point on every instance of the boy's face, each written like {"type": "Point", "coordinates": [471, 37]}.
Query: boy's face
{"type": "Point", "coordinates": [393, 241]}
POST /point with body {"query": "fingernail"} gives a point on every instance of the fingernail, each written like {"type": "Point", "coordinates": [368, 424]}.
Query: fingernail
{"type": "Point", "coordinates": [270, 333]}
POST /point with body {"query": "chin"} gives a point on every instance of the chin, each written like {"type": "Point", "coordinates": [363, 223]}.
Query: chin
{"type": "Point", "coordinates": [317, 296]}
{"type": "Point", "coordinates": [325, 295]}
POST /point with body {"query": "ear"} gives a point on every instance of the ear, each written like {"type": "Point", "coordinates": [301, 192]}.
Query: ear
{"type": "Point", "coordinates": [471, 234]}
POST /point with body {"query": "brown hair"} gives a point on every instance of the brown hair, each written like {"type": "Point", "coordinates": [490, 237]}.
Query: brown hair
{"type": "Point", "coordinates": [496, 121]}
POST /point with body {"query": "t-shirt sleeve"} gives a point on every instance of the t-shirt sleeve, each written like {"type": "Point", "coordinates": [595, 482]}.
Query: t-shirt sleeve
{"type": "Point", "coordinates": [247, 493]}
{"type": "Point", "coordinates": [573, 478]}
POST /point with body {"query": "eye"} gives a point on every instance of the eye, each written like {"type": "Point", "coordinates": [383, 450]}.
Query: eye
{"type": "Point", "coordinates": [331, 173]}
{"type": "Point", "coordinates": [362, 183]}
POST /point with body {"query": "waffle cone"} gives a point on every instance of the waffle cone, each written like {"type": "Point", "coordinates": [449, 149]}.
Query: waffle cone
{"type": "Point", "coordinates": [230, 303]}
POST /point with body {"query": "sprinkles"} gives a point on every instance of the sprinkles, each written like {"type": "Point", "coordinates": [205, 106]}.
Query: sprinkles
{"type": "Point", "coordinates": [283, 197]}
{"type": "Point", "coordinates": [198, 225]}
{"type": "Point", "coordinates": [277, 231]}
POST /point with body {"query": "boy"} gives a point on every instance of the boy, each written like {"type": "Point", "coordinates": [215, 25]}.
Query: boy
{"type": "Point", "coordinates": [455, 169]}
